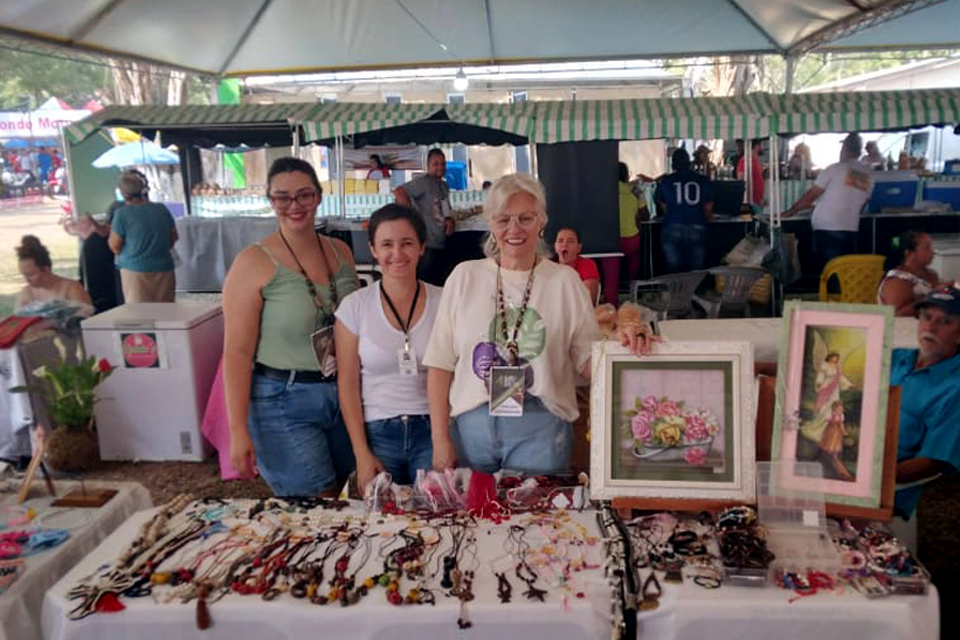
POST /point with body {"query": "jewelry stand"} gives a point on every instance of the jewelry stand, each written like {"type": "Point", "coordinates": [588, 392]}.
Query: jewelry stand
{"type": "Point", "coordinates": [85, 498]}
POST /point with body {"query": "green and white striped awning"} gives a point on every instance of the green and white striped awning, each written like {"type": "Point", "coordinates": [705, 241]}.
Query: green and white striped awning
{"type": "Point", "coordinates": [159, 117]}
{"type": "Point", "coordinates": [866, 110]}
{"type": "Point", "coordinates": [325, 121]}
{"type": "Point", "coordinates": [516, 118]}
{"type": "Point", "coordinates": [743, 117]}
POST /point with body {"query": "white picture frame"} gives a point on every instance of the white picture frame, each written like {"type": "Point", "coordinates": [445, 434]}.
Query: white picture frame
{"type": "Point", "coordinates": [709, 387]}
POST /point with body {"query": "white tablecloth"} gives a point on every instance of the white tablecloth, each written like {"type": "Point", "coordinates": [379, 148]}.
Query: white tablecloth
{"type": "Point", "coordinates": [248, 617]}
{"type": "Point", "coordinates": [21, 604]}
{"type": "Point", "coordinates": [763, 333]}
{"type": "Point", "coordinates": [689, 612]}
{"type": "Point", "coordinates": [16, 413]}
{"type": "Point", "coordinates": [686, 612]}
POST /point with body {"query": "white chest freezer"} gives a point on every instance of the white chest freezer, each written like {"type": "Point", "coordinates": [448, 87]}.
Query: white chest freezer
{"type": "Point", "coordinates": [946, 256]}
{"type": "Point", "coordinates": [165, 357]}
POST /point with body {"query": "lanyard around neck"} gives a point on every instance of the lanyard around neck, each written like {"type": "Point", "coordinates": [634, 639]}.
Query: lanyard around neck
{"type": "Point", "coordinates": [405, 327]}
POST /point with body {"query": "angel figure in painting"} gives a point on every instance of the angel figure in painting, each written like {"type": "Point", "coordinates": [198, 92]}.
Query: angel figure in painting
{"type": "Point", "coordinates": [831, 442]}
{"type": "Point", "coordinates": [826, 428]}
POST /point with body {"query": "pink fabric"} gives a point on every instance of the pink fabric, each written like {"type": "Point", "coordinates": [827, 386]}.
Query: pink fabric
{"type": "Point", "coordinates": [215, 427]}
{"type": "Point", "coordinates": [824, 394]}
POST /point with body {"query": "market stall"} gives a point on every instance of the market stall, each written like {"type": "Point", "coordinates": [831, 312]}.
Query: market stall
{"type": "Point", "coordinates": [84, 529]}
{"type": "Point", "coordinates": [539, 575]}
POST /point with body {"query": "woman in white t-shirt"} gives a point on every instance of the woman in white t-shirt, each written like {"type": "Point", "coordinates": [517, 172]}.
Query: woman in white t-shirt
{"type": "Point", "coordinates": [512, 334]}
{"type": "Point", "coordinates": [381, 333]}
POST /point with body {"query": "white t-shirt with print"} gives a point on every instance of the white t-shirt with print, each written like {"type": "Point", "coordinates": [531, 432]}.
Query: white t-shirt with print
{"type": "Point", "coordinates": [555, 337]}
{"type": "Point", "coordinates": [847, 186]}
{"type": "Point", "coordinates": [385, 392]}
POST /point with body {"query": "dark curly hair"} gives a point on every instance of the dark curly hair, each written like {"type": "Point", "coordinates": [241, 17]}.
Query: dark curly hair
{"type": "Point", "coordinates": [32, 249]}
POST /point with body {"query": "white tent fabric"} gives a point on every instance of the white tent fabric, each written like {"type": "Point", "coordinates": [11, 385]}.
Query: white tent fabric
{"type": "Point", "coordinates": [243, 37]}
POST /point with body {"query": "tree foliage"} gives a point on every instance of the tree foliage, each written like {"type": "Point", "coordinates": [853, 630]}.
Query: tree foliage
{"type": "Point", "coordinates": [28, 78]}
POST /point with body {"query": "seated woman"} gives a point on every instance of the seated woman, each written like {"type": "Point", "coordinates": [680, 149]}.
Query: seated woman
{"type": "Point", "coordinates": [908, 280]}
{"type": "Point", "coordinates": [512, 333]}
{"type": "Point", "coordinates": [568, 248]}
{"type": "Point", "coordinates": [278, 302]}
{"type": "Point", "coordinates": [42, 284]}
{"type": "Point", "coordinates": [382, 332]}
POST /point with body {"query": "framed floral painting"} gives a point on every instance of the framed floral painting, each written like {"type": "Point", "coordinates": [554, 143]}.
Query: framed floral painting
{"type": "Point", "coordinates": [831, 407]}
{"type": "Point", "coordinates": [676, 424]}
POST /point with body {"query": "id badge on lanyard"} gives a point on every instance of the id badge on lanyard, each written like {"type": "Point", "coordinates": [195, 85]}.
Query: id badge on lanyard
{"type": "Point", "coordinates": [506, 391]}
{"type": "Point", "coordinates": [407, 360]}
{"type": "Point", "coordinates": [324, 350]}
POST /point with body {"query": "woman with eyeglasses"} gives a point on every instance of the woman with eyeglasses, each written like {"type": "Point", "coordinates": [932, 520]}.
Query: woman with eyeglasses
{"type": "Point", "coordinates": [382, 332]}
{"type": "Point", "coordinates": [512, 334]}
{"type": "Point", "coordinates": [278, 302]}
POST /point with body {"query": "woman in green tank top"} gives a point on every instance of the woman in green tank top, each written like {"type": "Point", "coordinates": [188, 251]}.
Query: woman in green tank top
{"type": "Point", "coordinates": [278, 301]}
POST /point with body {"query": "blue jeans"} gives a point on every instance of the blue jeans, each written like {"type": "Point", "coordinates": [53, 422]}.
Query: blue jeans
{"type": "Point", "coordinates": [831, 244]}
{"type": "Point", "coordinates": [538, 442]}
{"type": "Point", "coordinates": [684, 247]}
{"type": "Point", "coordinates": [402, 444]}
{"type": "Point", "coordinates": [299, 436]}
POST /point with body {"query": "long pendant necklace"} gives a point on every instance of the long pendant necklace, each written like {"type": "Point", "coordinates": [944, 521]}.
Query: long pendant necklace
{"type": "Point", "coordinates": [310, 286]}
{"type": "Point", "coordinates": [511, 341]}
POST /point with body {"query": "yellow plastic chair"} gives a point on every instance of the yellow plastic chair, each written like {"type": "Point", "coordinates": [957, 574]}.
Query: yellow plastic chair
{"type": "Point", "coordinates": [859, 275]}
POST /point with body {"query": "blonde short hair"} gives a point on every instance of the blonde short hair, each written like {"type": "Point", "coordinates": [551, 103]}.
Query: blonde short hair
{"type": "Point", "coordinates": [498, 196]}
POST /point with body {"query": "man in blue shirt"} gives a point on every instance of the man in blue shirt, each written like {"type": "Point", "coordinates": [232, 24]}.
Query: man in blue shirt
{"type": "Point", "coordinates": [929, 443]}
{"type": "Point", "coordinates": [686, 200]}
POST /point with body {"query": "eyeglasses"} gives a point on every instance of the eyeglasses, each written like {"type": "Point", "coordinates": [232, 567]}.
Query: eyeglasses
{"type": "Point", "coordinates": [525, 220]}
{"type": "Point", "coordinates": [303, 199]}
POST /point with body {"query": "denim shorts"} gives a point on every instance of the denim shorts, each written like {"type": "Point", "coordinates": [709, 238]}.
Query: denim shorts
{"type": "Point", "coordinates": [534, 443]}
{"type": "Point", "coordinates": [402, 444]}
{"type": "Point", "coordinates": [299, 436]}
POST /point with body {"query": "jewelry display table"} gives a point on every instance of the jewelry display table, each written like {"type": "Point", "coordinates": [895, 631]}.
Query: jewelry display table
{"type": "Point", "coordinates": [21, 603]}
{"type": "Point", "coordinates": [249, 616]}
{"type": "Point", "coordinates": [685, 611]}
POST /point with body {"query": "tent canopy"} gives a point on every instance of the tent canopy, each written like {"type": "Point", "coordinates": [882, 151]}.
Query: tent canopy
{"type": "Point", "coordinates": [245, 37]}
{"type": "Point", "coordinates": [752, 116]}
{"type": "Point", "coordinates": [202, 125]}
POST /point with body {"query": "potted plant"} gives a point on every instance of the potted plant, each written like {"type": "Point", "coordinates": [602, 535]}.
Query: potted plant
{"type": "Point", "coordinates": [69, 391]}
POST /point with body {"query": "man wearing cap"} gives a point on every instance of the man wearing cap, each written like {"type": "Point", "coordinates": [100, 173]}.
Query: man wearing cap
{"type": "Point", "coordinates": [686, 200]}
{"type": "Point", "coordinates": [429, 196]}
{"type": "Point", "coordinates": [840, 192]}
{"type": "Point", "coordinates": [929, 443]}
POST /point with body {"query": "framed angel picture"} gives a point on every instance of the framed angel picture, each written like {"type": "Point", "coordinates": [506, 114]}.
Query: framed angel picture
{"type": "Point", "coordinates": [831, 405]}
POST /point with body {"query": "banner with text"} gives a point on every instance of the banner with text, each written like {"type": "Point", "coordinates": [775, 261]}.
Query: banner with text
{"type": "Point", "coordinates": [44, 123]}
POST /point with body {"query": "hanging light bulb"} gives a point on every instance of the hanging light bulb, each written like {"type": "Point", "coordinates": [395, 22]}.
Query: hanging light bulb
{"type": "Point", "coordinates": [460, 81]}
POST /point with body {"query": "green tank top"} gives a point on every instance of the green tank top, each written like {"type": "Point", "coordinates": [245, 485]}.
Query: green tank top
{"type": "Point", "coordinates": [289, 315]}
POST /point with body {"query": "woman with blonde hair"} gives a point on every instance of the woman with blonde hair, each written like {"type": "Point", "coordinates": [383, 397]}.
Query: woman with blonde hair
{"type": "Point", "coordinates": [512, 334]}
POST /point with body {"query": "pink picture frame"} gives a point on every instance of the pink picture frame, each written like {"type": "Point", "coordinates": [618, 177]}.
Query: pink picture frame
{"type": "Point", "coordinates": [832, 399]}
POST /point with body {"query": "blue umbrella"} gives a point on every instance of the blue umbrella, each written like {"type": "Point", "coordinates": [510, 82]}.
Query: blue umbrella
{"type": "Point", "coordinates": [23, 143]}
{"type": "Point", "coordinates": [139, 153]}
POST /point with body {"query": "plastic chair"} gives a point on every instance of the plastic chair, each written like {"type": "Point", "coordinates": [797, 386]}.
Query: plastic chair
{"type": "Point", "coordinates": [670, 295]}
{"type": "Point", "coordinates": [859, 275]}
{"type": "Point", "coordinates": [737, 282]}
